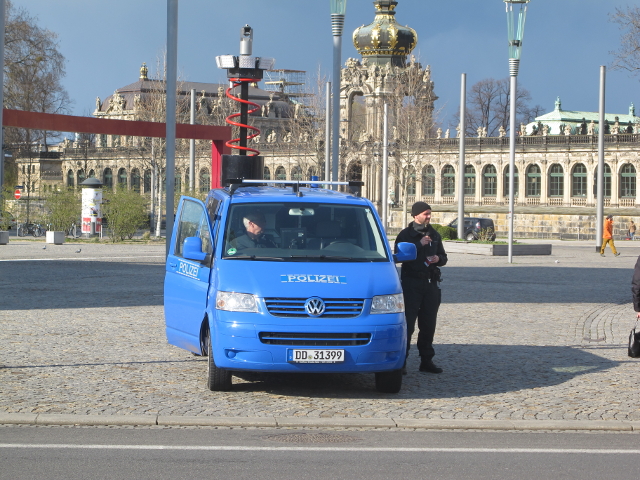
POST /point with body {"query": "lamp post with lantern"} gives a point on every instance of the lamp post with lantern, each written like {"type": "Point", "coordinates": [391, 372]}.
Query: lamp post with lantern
{"type": "Point", "coordinates": [516, 15]}
{"type": "Point", "coordinates": [338, 10]}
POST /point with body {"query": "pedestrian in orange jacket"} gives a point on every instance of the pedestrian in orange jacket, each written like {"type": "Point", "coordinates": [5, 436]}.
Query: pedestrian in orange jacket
{"type": "Point", "coordinates": [607, 236]}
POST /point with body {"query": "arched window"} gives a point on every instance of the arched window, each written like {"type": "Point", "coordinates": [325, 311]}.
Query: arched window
{"type": "Point", "coordinates": [556, 180]}
{"type": "Point", "coordinates": [281, 173]}
{"type": "Point", "coordinates": [267, 173]}
{"type": "Point", "coordinates": [469, 180]}
{"type": "Point", "coordinates": [147, 181]}
{"type": "Point", "coordinates": [490, 181]}
{"type": "Point", "coordinates": [108, 178]}
{"type": "Point", "coordinates": [81, 176]}
{"type": "Point", "coordinates": [122, 178]}
{"type": "Point", "coordinates": [579, 181]}
{"type": "Point", "coordinates": [607, 180]}
{"type": "Point", "coordinates": [135, 180]}
{"type": "Point", "coordinates": [70, 178]}
{"type": "Point", "coordinates": [533, 181]}
{"type": "Point", "coordinates": [92, 174]}
{"type": "Point", "coordinates": [448, 181]}
{"type": "Point", "coordinates": [628, 181]}
{"type": "Point", "coordinates": [515, 181]}
{"type": "Point", "coordinates": [296, 173]}
{"type": "Point", "coordinates": [428, 180]}
{"type": "Point", "coordinates": [411, 180]}
{"type": "Point", "coordinates": [205, 180]}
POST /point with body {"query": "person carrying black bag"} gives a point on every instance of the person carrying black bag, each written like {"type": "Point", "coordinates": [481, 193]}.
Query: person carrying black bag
{"type": "Point", "coordinates": [420, 283]}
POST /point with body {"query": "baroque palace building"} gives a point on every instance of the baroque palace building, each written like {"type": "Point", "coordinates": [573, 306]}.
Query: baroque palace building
{"type": "Point", "coordinates": [556, 156]}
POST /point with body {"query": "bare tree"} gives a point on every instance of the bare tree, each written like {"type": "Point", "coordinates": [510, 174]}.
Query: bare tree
{"type": "Point", "coordinates": [33, 70]}
{"type": "Point", "coordinates": [412, 121]}
{"type": "Point", "coordinates": [627, 57]}
{"type": "Point", "coordinates": [488, 106]}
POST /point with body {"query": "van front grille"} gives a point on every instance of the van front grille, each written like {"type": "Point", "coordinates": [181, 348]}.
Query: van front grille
{"type": "Point", "coordinates": [315, 339]}
{"type": "Point", "coordinates": [334, 307]}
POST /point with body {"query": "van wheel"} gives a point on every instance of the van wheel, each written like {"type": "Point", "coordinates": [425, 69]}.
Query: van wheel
{"type": "Point", "coordinates": [471, 237]}
{"type": "Point", "coordinates": [218, 379]}
{"type": "Point", "coordinates": [389, 382]}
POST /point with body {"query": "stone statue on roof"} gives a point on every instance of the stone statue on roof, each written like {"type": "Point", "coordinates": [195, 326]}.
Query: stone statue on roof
{"type": "Point", "coordinates": [502, 132]}
{"type": "Point", "coordinates": [583, 127]}
{"type": "Point", "coordinates": [591, 128]}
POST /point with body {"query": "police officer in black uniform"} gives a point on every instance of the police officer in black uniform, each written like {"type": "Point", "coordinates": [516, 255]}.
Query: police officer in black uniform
{"type": "Point", "coordinates": [420, 283]}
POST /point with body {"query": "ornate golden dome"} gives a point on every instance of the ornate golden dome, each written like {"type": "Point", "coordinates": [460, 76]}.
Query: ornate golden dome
{"type": "Point", "coordinates": [384, 40]}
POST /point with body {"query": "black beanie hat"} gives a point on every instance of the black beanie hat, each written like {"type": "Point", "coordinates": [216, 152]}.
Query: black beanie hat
{"type": "Point", "coordinates": [419, 207]}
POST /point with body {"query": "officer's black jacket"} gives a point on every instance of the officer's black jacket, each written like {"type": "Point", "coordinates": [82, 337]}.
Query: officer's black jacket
{"type": "Point", "coordinates": [417, 268]}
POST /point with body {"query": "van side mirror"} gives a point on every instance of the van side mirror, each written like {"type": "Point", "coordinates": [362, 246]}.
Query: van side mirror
{"type": "Point", "coordinates": [192, 249]}
{"type": "Point", "coordinates": [406, 252]}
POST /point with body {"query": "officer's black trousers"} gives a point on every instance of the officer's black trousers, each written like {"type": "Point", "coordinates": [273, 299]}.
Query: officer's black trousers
{"type": "Point", "coordinates": [421, 302]}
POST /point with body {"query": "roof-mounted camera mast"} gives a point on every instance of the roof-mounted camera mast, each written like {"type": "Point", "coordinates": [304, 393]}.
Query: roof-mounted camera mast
{"type": "Point", "coordinates": [243, 70]}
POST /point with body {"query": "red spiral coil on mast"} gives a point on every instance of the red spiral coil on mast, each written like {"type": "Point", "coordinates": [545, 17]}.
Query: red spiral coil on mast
{"type": "Point", "coordinates": [236, 83]}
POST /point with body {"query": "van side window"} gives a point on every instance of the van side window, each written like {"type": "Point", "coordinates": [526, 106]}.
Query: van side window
{"type": "Point", "coordinates": [193, 223]}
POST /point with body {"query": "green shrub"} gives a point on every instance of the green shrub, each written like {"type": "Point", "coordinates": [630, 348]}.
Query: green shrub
{"type": "Point", "coordinates": [447, 233]}
{"type": "Point", "coordinates": [126, 211]}
{"type": "Point", "coordinates": [63, 208]}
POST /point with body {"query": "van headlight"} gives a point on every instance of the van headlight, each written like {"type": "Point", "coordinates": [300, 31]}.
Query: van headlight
{"type": "Point", "coordinates": [236, 302]}
{"type": "Point", "coordinates": [387, 304]}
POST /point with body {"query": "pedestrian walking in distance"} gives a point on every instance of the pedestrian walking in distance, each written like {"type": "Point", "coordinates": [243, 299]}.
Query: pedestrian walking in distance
{"type": "Point", "coordinates": [607, 236]}
{"type": "Point", "coordinates": [420, 283]}
{"type": "Point", "coordinates": [632, 229]}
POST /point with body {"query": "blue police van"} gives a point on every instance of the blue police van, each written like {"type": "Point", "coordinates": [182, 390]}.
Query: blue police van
{"type": "Point", "coordinates": [274, 276]}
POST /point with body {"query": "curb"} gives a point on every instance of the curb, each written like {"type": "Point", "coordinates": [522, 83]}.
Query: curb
{"type": "Point", "coordinates": [275, 422]}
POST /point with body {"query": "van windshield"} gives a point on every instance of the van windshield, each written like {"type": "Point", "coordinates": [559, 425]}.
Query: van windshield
{"type": "Point", "coordinates": [299, 232]}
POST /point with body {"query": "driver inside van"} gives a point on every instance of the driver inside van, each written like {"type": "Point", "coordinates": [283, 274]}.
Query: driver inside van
{"type": "Point", "coordinates": [254, 225]}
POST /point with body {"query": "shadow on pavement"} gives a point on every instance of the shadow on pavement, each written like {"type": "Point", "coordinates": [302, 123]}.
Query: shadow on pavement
{"type": "Point", "coordinates": [527, 284]}
{"type": "Point", "coordinates": [79, 284]}
{"type": "Point", "coordinates": [469, 370]}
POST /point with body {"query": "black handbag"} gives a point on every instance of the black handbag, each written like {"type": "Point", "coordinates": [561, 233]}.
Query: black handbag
{"type": "Point", "coordinates": [634, 342]}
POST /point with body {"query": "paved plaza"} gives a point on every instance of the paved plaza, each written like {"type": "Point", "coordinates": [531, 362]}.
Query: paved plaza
{"type": "Point", "coordinates": [542, 339]}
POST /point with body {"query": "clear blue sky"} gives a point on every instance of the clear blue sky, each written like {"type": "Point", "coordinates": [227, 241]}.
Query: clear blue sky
{"type": "Point", "coordinates": [566, 41]}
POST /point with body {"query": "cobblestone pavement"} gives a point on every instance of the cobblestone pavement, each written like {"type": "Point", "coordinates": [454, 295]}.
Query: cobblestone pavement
{"type": "Point", "coordinates": [543, 338]}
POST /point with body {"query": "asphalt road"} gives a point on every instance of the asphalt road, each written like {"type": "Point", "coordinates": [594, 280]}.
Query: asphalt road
{"type": "Point", "coordinates": [156, 453]}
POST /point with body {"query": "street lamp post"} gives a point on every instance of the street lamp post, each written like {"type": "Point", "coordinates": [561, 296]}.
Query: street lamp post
{"type": "Point", "coordinates": [338, 10]}
{"type": "Point", "coordinates": [516, 14]}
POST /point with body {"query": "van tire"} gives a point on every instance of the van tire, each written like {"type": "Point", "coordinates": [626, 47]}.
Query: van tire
{"type": "Point", "coordinates": [389, 382]}
{"type": "Point", "coordinates": [471, 237]}
{"type": "Point", "coordinates": [218, 379]}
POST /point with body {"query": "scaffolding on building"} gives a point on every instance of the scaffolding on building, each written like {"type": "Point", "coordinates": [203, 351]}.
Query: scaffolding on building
{"type": "Point", "coordinates": [288, 82]}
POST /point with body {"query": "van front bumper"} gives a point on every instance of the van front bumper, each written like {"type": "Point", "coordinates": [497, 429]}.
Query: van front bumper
{"type": "Point", "coordinates": [247, 347]}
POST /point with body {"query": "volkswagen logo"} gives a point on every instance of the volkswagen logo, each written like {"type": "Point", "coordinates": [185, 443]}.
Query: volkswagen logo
{"type": "Point", "coordinates": [314, 306]}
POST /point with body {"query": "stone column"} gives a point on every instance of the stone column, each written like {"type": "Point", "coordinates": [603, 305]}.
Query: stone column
{"type": "Point", "coordinates": [567, 185]}
{"type": "Point", "coordinates": [544, 185]}
{"type": "Point", "coordinates": [478, 196]}
{"type": "Point", "coordinates": [615, 184]}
